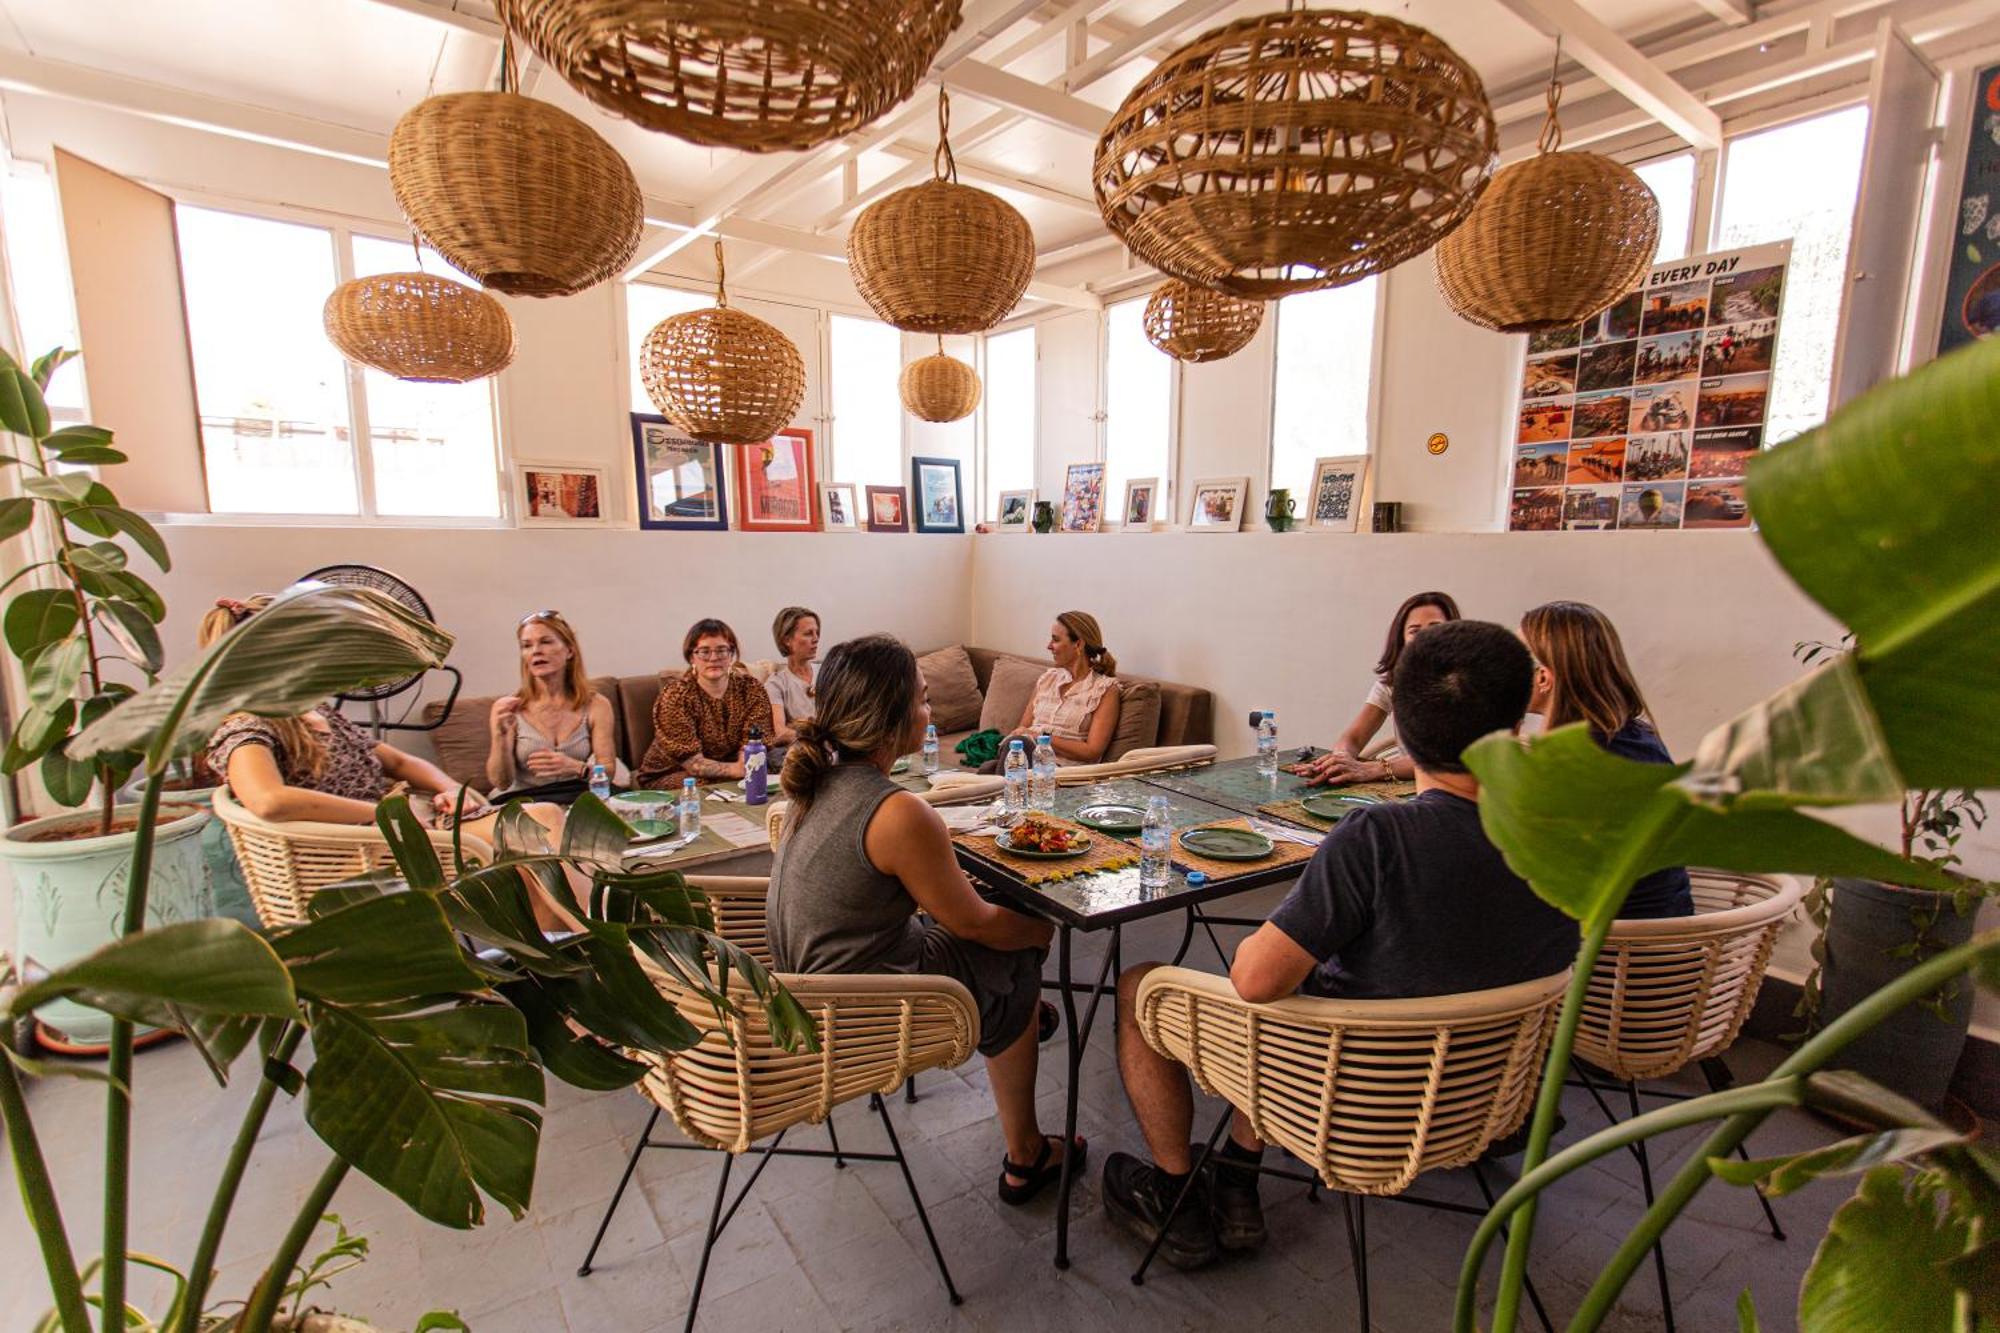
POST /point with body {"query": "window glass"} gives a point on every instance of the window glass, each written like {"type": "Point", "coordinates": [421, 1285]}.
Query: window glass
{"type": "Point", "coordinates": [1325, 366]}
{"type": "Point", "coordinates": [1138, 404]}
{"type": "Point", "coordinates": [867, 358]}
{"type": "Point", "coordinates": [38, 264]}
{"type": "Point", "coordinates": [1009, 402]}
{"type": "Point", "coordinates": [646, 304]}
{"type": "Point", "coordinates": [1671, 180]}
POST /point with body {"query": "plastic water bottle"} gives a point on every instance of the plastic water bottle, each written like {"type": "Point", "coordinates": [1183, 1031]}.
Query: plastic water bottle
{"type": "Point", "coordinates": [690, 809]}
{"type": "Point", "coordinates": [1042, 781]}
{"type": "Point", "coordinates": [756, 769]}
{"type": "Point", "coordinates": [1156, 844]}
{"type": "Point", "coordinates": [600, 782]}
{"type": "Point", "coordinates": [1267, 744]}
{"type": "Point", "coordinates": [929, 764]}
{"type": "Point", "coordinates": [1014, 797]}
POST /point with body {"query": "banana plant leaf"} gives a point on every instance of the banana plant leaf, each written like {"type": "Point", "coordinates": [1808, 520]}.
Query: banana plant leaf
{"type": "Point", "coordinates": [212, 967]}
{"type": "Point", "coordinates": [577, 1058]}
{"type": "Point", "coordinates": [394, 947]}
{"type": "Point", "coordinates": [1882, 1263]}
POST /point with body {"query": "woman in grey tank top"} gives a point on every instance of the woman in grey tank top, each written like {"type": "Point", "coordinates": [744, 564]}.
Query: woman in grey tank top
{"type": "Point", "coordinates": [859, 857]}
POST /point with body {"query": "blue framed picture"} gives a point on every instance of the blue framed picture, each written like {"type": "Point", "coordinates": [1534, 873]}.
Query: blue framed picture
{"type": "Point", "coordinates": [680, 478]}
{"type": "Point", "coordinates": [935, 495]}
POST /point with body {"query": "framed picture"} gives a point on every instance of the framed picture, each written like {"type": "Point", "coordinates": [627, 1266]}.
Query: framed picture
{"type": "Point", "coordinates": [1217, 504]}
{"type": "Point", "coordinates": [775, 481]}
{"type": "Point", "coordinates": [680, 479]}
{"type": "Point", "coordinates": [1334, 502]}
{"type": "Point", "coordinates": [888, 509]}
{"type": "Point", "coordinates": [934, 483]}
{"type": "Point", "coordinates": [1016, 509]}
{"type": "Point", "coordinates": [1142, 504]}
{"type": "Point", "coordinates": [559, 495]}
{"type": "Point", "coordinates": [836, 502]}
{"type": "Point", "coordinates": [1083, 498]}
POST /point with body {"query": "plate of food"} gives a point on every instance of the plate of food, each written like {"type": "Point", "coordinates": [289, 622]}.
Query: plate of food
{"type": "Point", "coordinates": [1227, 844]}
{"type": "Point", "coordinates": [1112, 817]}
{"type": "Point", "coordinates": [1042, 840]}
{"type": "Point", "coordinates": [1333, 805]}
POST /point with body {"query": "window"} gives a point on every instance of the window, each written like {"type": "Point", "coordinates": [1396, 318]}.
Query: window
{"type": "Point", "coordinates": [1326, 367]}
{"type": "Point", "coordinates": [1799, 181]}
{"type": "Point", "coordinates": [1138, 404]}
{"type": "Point", "coordinates": [1671, 179]}
{"type": "Point", "coordinates": [1009, 399]}
{"type": "Point", "coordinates": [867, 360]}
{"type": "Point", "coordinates": [44, 309]}
{"type": "Point", "coordinates": [645, 306]}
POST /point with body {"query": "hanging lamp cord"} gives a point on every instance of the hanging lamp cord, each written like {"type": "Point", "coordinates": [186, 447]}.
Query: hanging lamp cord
{"type": "Point", "coordinates": [1552, 131]}
{"type": "Point", "coordinates": [721, 291]}
{"type": "Point", "coordinates": [943, 164]}
{"type": "Point", "coordinates": [509, 80]}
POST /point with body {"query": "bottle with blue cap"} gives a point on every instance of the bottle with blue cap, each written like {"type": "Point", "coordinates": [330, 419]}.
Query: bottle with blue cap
{"type": "Point", "coordinates": [1156, 842]}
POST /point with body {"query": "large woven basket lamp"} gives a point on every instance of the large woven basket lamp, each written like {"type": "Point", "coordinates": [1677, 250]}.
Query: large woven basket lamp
{"type": "Point", "coordinates": [722, 375]}
{"type": "Point", "coordinates": [1295, 151]}
{"type": "Point", "coordinates": [939, 387]}
{"type": "Point", "coordinates": [768, 76]}
{"type": "Point", "coordinates": [1196, 324]}
{"type": "Point", "coordinates": [418, 326]}
{"type": "Point", "coordinates": [1554, 240]}
{"type": "Point", "coordinates": [941, 257]}
{"type": "Point", "coordinates": [521, 195]}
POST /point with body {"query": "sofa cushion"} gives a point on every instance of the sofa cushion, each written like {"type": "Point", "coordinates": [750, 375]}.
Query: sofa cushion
{"type": "Point", "coordinates": [1138, 717]}
{"type": "Point", "coordinates": [464, 740]}
{"type": "Point", "coordinates": [954, 690]}
{"type": "Point", "coordinates": [635, 698]}
{"type": "Point", "coordinates": [1007, 693]}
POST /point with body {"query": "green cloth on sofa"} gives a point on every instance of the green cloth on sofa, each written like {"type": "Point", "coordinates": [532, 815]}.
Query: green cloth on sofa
{"type": "Point", "coordinates": [981, 747]}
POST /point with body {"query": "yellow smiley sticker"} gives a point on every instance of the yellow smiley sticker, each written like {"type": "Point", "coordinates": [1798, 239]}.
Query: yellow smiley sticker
{"type": "Point", "coordinates": [1438, 442]}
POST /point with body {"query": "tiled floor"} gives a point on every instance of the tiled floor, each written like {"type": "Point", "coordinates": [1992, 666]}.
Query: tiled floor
{"type": "Point", "coordinates": [819, 1248]}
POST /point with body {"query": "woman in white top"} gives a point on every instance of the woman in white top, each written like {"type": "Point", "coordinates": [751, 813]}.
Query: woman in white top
{"type": "Point", "coordinates": [796, 632]}
{"type": "Point", "coordinates": [1075, 703]}
{"type": "Point", "coordinates": [1343, 764]}
{"type": "Point", "coordinates": [555, 726]}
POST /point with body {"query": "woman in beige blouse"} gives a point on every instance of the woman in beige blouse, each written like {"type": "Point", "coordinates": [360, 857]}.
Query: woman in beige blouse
{"type": "Point", "coordinates": [1075, 703]}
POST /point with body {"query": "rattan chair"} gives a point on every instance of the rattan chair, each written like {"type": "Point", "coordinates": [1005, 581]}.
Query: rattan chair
{"type": "Point", "coordinates": [1368, 1094]}
{"type": "Point", "coordinates": [1675, 991]}
{"type": "Point", "coordinates": [737, 1088]}
{"type": "Point", "coordinates": [284, 864]}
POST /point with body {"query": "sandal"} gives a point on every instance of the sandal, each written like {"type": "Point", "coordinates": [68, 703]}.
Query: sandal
{"type": "Point", "coordinates": [1048, 1020]}
{"type": "Point", "coordinates": [1042, 1173]}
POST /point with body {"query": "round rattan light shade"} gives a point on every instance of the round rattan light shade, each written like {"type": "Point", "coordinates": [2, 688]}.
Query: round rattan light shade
{"type": "Point", "coordinates": [1554, 240]}
{"type": "Point", "coordinates": [722, 375]}
{"type": "Point", "coordinates": [939, 388]}
{"type": "Point", "coordinates": [1294, 151]}
{"type": "Point", "coordinates": [1192, 323]}
{"type": "Point", "coordinates": [941, 257]}
{"type": "Point", "coordinates": [417, 326]}
{"type": "Point", "coordinates": [773, 76]}
{"type": "Point", "coordinates": [517, 193]}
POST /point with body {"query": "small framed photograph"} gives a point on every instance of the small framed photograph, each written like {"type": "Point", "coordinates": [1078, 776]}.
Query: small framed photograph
{"type": "Point", "coordinates": [775, 481]}
{"type": "Point", "coordinates": [888, 509]}
{"type": "Point", "coordinates": [1083, 498]}
{"type": "Point", "coordinates": [934, 482]}
{"type": "Point", "coordinates": [1017, 509]}
{"type": "Point", "coordinates": [680, 479]}
{"type": "Point", "coordinates": [559, 495]}
{"type": "Point", "coordinates": [1334, 502]}
{"type": "Point", "coordinates": [1217, 504]}
{"type": "Point", "coordinates": [1142, 504]}
{"type": "Point", "coordinates": [836, 502]}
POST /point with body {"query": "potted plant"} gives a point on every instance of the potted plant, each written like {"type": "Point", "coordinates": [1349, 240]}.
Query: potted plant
{"type": "Point", "coordinates": [82, 609]}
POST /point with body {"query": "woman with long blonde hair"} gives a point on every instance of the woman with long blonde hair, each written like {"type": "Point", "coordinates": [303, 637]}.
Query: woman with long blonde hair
{"type": "Point", "coordinates": [1075, 702]}
{"type": "Point", "coordinates": [555, 726]}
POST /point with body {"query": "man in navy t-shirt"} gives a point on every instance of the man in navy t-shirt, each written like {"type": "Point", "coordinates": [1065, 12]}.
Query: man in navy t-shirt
{"type": "Point", "coordinates": [1401, 900]}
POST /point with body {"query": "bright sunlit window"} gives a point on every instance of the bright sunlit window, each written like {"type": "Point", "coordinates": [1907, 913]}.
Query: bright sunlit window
{"type": "Point", "coordinates": [1009, 404]}
{"type": "Point", "coordinates": [1138, 404]}
{"type": "Point", "coordinates": [43, 304]}
{"type": "Point", "coordinates": [645, 306]}
{"type": "Point", "coordinates": [1799, 181]}
{"type": "Point", "coordinates": [1326, 364]}
{"type": "Point", "coordinates": [867, 358]}
{"type": "Point", "coordinates": [1671, 179]}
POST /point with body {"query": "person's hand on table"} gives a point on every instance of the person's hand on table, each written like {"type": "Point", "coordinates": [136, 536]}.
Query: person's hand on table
{"type": "Point", "coordinates": [554, 764]}
{"type": "Point", "coordinates": [1341, 770]}
{"type": "Point", "coordinates": [446, 807]}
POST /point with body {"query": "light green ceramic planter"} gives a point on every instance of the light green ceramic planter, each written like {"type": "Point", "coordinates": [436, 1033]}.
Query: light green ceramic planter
{"type": "Point", "coordinates": [69, 896]}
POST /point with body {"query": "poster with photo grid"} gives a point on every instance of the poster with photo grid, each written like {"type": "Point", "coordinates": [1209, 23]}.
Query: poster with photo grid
{"type": "Point", "coordinates": [1647, 415]}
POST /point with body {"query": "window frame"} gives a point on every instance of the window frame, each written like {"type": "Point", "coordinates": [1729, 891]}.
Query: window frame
{"type": "Point", "coordinates": [1112, 506]}
{"type": "Point", "coordinates": [983, 449]}
{"type": "Point", "coordinates": [1377, 341]}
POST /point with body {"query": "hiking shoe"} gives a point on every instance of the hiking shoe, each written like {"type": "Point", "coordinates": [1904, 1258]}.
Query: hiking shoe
{"type": "Point", "coordinates": [1138, 1195]}
{"type": "Point", "coordinates": [1239, 1213]}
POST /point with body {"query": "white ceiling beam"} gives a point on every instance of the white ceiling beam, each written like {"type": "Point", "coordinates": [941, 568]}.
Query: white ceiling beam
{"type": "Point", "coordinates": [1175, 21]}
{"type": "Point", "coordinates": [1622, 66]}
{"type": "Point", "coordinates": [907, 174]}
{"type": "Point", "coordinates": [920, 158]}
{"type": "Point", "coordinates": [1733, 12]}
{"type": "Point", "coordinates": [443, 13]}
{"type": "Point", "coordinates": [1031, 99]}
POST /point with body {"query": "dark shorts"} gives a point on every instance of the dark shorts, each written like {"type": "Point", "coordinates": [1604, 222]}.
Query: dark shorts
{"type": "Point", "coordinates": [1006, 985]}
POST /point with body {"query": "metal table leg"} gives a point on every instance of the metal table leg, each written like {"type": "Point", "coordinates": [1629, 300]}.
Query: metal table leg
{"type": "Point", "coordinates": [1079, 1038]}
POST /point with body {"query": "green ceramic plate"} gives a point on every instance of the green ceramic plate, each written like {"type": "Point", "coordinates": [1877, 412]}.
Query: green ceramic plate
{"type": "Point", "coordinates": [1227, 844]}
{"type": "Point", "coordinates": [900, 766]}
{"type": "Point", "coordinates": [1112, 818]}
{"type": "Point", "coordinates": [1006, 844]}
{"type": "Point", "coordinates": [1333, 805]}
{"type": "Point", "coordinates": [648, 797]}
{"type": "Point", "coordinates": [655, 828]}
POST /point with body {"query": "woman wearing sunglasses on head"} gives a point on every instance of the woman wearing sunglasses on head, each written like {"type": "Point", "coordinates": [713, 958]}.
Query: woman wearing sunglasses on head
{"type": "Point", "coordinates": [703, 717]}
{"type": "Point", "coordinates": [551, 730]}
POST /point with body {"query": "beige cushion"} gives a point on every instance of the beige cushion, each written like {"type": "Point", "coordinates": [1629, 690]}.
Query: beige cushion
{"type": "Point", "coordinates": [1138, 717]}
{"type": "Point", "coordinates": [954, 690]}
{"type": "Point", "coordinates": [1008, 692]}
{"type": "Point", "coordinates": [762, 668]}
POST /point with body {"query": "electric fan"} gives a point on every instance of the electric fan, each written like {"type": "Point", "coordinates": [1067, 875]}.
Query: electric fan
{"type": "Point", "coordinates": [399, 591]}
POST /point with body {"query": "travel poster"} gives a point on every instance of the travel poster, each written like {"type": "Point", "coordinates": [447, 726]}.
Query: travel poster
{"type": "Point", "coordinates": [1972, 278]}
{"type": "Point", "coordinates": [1647, 414]}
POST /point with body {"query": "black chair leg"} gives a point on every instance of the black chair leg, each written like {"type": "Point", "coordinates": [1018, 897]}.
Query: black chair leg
{"type": "Point", "coordinates": [1187, 1188]}
{"type": "Point", "coordinates": [833, 1136]}
{"type": "Point", "coordinates": [910, 1090]}
{"type": "Point", "coordinates": [1534, 1297]}
{"type": "Point", "coordinates": [630, 1166]}
{"type": "Point", "coordinates": [1355, 1206]}
{"type": "Point", "coordinates": [896, 1147]}
{"type": "Point", "coordinates": [708, 1240]}
{"type": "Point", "coordinates": [1646, 1185]}
{"type": "Point", "coordinates": [1718, 1076]}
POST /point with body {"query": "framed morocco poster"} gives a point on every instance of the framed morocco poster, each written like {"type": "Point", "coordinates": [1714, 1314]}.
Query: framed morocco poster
{"type": "Point", "coordinates": [775, 483]}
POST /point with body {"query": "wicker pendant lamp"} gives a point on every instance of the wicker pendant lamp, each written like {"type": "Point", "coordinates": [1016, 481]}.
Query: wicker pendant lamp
{"type": "Point", "coordinates": [1195, 324]}
{"type": "Point", "coordinates": [939, 387]}
{"type": "Point", "coordinates": [1295, 151]}
{"type": "Point", "coordinates": [768, 76]}
{"type": "Point", "coordinates": [1554, 239]}
{"type": "Point", "coordinates": [517, 193]}
{"type": "Point", "coordinates": [941, 257]}
{"type": "Point", "coordinates": [417, 326]}
{"type": "Point", "coordinates": [722, 375]}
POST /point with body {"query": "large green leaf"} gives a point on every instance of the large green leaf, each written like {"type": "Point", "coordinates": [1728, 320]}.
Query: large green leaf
{"type": "Point", "coordinates": [69, 781]}
{"type": "Point", "coordinates": [60, 487]}
{"type": "Point", "coordinates": [16, 513]}
{"type": "Point", "coordinates": [409, 843]}
{"type": "Point", "coordinates": [1847, 1157]}
{"type": "Point", "coordinates": [308, 644]}
{"type": "Point", "coordinates": [39, 616]}
{"type": "Point", "coordinates": [394, 947]}
{"type": "Point", "coordinates": [1884, 516]}
{"type": "Point", "coordinates": [39, 728]}
{"type": "Point", "coordinates": [134, 632]}
{"type": "Point", "coordinates": [215, 966]}
{"type": "Point", "coordinates": [55, 668]}
{"type": "Point", "coordinates": [98, 557]}
{"type": "Point", "coordinates": [576, 1058]}
{"type": "Point", "coordinates": [592, 833]}
{"type": "Point", "coordinates": [1881, 1263]}
{"type": "Point", "coordinates": [13, 403]}
{"type": "Point", "coordinates": [1814, 742]}
{"type": "Point", "coordinates": [99, 513]}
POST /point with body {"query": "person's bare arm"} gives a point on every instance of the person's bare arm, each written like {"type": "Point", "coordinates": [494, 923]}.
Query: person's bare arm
{"type": "Point", "coordinates": [262, 790]}
{"type": "Point", "coordinates": [1269, 966]}
{"type": "Point", "coordinates": [782, 732]}
{"type": "Point", "coordinates": [908, 840]}
{"type": "Point", "coordinates": [1103, 726]}
{"type": "Point", "coordinates": [603, 734]}
{"type": "Point", "coordinates": [1343, 763]}
{"type": "Point", "coordinates": [450, 797]}
{"type": "Point", "coordinates": [1360, 731]}
{"type": "Point", "coordinates": [502, 726]}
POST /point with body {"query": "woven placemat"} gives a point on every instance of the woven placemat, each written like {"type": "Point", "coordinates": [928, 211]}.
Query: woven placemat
{"type": "Point", "coordinates": [1295, 812]}
{"type": "Point", "coordinates": [1284, 852]}
{"type": "Point", "coordinates": [1106, 853]}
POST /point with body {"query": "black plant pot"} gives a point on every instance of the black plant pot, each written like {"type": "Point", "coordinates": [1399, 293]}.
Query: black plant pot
{"type": "Point", "coordinates": [1913, 1051]}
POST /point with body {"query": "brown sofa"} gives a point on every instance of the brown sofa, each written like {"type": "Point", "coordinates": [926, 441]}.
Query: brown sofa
{"type": "Point", "coordinates": [462, 742]}
{"type": "Point", "coordinates": [1186, 712]}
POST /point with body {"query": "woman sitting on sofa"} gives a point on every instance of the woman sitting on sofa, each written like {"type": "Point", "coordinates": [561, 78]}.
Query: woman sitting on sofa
{"type": "Point", "coordinates": [1076, 702]}
{"type": "Point", "coordinates": [703, 717]}
{"type": "Point", "coordinates": [796, 632]}
{"type": "Point", "coordinates": [555, 726]}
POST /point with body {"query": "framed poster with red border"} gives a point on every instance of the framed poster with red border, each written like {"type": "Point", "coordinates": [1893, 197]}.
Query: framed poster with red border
{"type": "Point", "coordinates": [776, 487]}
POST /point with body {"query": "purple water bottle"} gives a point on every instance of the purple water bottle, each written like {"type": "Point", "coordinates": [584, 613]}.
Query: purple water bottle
{"type": "Point", "coordinates": [756, 772]}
